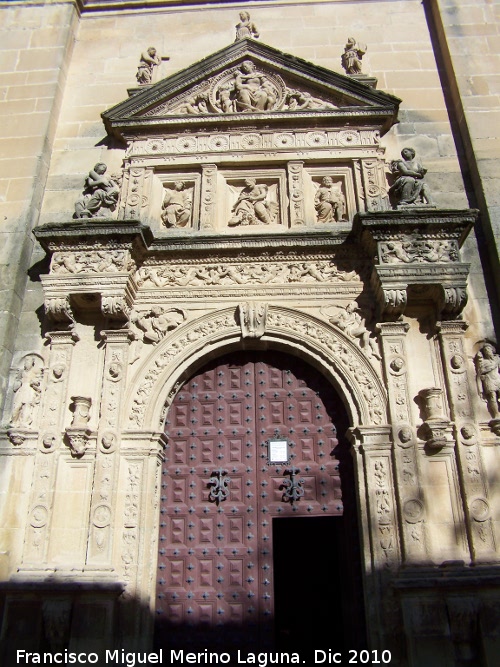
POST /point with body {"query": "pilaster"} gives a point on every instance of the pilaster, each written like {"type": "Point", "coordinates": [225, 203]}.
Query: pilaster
{"type": "Point", "coordinates": [472, 474]}
{"type": "Point", "coordinates": [406, 469]}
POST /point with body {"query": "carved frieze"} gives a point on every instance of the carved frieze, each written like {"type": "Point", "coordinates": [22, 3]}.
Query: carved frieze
{"type": "Point", "coordinates": [227, 273]}
{"type": "Point", "coordinates": [363, 143]}
{"type": "Point", "coordinates": [96, 261]}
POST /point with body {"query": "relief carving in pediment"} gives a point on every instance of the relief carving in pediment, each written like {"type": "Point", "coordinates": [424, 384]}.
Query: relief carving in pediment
{"type": "Point", "coordinates": [245, 88]}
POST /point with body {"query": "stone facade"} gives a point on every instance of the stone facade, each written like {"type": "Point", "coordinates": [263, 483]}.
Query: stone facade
{"type": "Point", "coordinates": [245, 193]}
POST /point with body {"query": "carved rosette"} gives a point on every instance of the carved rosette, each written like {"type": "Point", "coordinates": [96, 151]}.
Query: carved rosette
{"type": "Point", "coordinates": [418, 248]}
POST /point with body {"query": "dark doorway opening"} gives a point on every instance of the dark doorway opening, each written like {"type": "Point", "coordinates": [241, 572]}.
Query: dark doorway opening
{"type": "Point", "coordinates": [308, 583]}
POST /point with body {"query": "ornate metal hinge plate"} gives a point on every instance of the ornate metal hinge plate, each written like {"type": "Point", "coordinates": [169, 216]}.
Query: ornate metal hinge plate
{"type": "Point", "coordinates": [219, 486]}
{"type": "Point", "coordinates": [294, 489]}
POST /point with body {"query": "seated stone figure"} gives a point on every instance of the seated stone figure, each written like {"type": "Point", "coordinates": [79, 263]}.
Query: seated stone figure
{"type": "Point", "coordinates": [100, 195]}
{"type": "Point", "coordinates": [252, 207]}
{"type": "Point", "coordinates": [409, 186]}
{"type": "Point", "coordinates": [329, 202]}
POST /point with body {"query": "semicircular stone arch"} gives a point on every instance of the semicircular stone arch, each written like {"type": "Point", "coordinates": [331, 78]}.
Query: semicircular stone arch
{"type": "Point", "coordinates": [335, 355]}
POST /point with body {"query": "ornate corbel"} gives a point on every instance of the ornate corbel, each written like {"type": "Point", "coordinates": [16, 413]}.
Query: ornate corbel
{"type": "Point", "coordinates": [77, 440]}
{"type": "Point", "coordinates": [78, 435]}
{"type": "Point", "coordinates": [58, 310]}
{"type": "Point", "coordinates": [115, 307]}
{"type": "Point", "coordinates": [418, 248]}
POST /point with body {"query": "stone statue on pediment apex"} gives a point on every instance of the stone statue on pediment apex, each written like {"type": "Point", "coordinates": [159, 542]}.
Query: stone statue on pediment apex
{"type": "Point", "coordinates": [246, 28]}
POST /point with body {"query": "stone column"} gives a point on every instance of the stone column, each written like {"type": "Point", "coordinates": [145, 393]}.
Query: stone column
{"type": "Point", "coordinates": [472, 475]}
{"type": "Point", "coordinates": [36, 546]}
{"type": "Point", "coordinates": [410, 496]}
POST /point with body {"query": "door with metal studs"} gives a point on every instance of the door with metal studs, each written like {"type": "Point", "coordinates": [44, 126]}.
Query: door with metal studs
{"type": "Point", "coordinates": [221, 492]}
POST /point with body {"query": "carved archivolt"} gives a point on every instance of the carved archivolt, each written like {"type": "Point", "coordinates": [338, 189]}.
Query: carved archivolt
{"type": "Point", "coordinates": [349, 368]}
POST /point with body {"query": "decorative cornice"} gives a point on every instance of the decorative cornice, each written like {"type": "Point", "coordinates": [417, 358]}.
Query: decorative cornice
{"type": "Point", "coordinates": [72, 232]}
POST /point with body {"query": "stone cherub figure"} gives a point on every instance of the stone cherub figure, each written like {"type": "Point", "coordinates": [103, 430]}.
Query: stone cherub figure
{"type": "Point", "coordinates": [329, 201]}
{"type": "Point", "coordinates": [409, 186]}
{"type": "Point", "coordinates": [100, 194]}
{"type": "Point", "coordinates": [351, 323]}
{"type": "Point", "coordinates": [246, 28]}
{"type": "Point", "coordinates": [176, 207]}
{"type": "Point", "coordinates": [149, 60]}
{"type": "Point", "coordinates": [351, 58]}
{"type": "Point", "coordinates": [487, 364]}
{"type": "Point", "coordinates": [252, 206]}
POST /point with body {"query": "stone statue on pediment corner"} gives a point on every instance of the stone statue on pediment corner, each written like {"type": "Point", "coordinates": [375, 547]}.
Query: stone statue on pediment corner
{"type": "Point", "coordinates": [149, 61]}
{"type": "Point", "coordinates": [100, 194]}
{"type": "Point", "coordinates": [409, 188]}
{"type": "Point", "coordinates": [352, 56]}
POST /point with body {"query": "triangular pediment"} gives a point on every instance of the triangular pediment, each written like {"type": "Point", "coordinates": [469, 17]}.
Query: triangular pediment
{"type": "Point", "coordinates": [248, 81]}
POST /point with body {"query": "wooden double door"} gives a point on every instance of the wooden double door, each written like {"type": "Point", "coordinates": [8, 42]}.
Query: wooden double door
{"type": "Point", "coordinates": [250, 550]}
